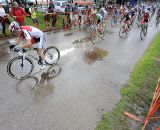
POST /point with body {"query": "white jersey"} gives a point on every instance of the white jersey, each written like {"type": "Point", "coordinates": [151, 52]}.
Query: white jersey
{"type": "Point", "coordinates": [30, 32]}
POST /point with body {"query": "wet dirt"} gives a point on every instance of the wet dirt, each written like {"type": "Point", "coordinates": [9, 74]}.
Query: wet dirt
{"type": "Point", "coordinates": [94, 54]}
{"type": "Point", "coordinates": [42, 91]}
{"type": "Point", "coordinates": [4, 52]}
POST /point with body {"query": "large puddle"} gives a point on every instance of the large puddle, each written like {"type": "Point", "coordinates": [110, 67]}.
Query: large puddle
{"type": "Point", "coordinates": [94, 54]}
{"type": "Point", "coordinates": [37, 89]}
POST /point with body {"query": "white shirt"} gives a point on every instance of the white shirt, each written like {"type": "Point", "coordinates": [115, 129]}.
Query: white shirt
{"type": "Point", "coordinates": [2, 12]}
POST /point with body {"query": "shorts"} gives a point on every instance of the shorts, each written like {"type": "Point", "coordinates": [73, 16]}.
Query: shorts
{"type": "Point", "coordinates": [98, 21]}
{"type": "Point", "coordinates": [47, 17]}
{"type": "Point", "coordinates": [40, 42]}
{"type": "Point", "coordinates": [34, 20]}
{"type": "Point", "coordinates": [146, 20]}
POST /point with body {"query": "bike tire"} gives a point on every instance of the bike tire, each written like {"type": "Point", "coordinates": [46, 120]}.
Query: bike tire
{"type": "Point", "coordinates": [10, 71]}
{"type": "Point", "coordinates": [142, 34]}
{"type": "Point", "coordinates": [53, 55]}
{"type": "Point", "coordinates": [93, 37]}
{"type": "Point", "coordinates": [122, 32]}
{"type": "Point", "coordinates": [157, 23]}
{"type": "Point", "coordinates": [113, 22]}
{"type": "Point", "coordinates": [54, 71]}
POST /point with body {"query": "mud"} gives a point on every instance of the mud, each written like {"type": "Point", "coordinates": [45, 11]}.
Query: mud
{"type": "Point", "coordinates": [94, 54]}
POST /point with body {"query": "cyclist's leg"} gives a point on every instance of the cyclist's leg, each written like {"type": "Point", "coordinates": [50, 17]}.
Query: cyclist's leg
{"type": "Point", "coordinates": [40, 47]}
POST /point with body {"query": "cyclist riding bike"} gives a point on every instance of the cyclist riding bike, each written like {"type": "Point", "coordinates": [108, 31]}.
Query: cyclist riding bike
{"type": "Point", "coordinates": [31, 35]}
{"type": "Point", "coordinates": [115, 12]}
{"type": "Point", "coordinates": [146, 16]}
{"type": "Point", "coordinates": [97, 18]}
{"type": "Point", "coordinates": [158, 15]}
{"type": "Point", "coordinates": [145, 20]}
{"type": "Point", "coordinates": [103, 13]}
{"type": "Point", "coordinates": [127, 19]}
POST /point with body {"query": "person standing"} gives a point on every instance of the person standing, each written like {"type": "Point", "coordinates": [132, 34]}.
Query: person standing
{"type": "Point", "coordinates": [3, 19]}
{"type": "Point", "coordinates": [17, 13]}
{"type": "Point", "coordinates": [33, 15]}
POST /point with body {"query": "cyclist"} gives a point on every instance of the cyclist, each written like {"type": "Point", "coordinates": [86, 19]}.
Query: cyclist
{"type": "Point", "coordinates": [146, 16]}
{"type": "Point", "coordinates": [127, 19]}
{"type": "Point", "coordinates": [29, 33]}
{"type": "Point", "coordinates": [115, 12]}
{"type": "Point", "coordinates": [145, 20]}
{"type": "Point", "coordinates": [97, 18]}
{"type": "Point", "coordinates": [158, 15]}
{"type": "Point", "coordinates": [132, 13]}
{"type": "Point", "coordinates": [103, 12]}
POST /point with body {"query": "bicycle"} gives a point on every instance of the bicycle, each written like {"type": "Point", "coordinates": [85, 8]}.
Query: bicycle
{"type": "Point", "coordinates": [123, 32]}
{"type": "Point", "coordinates": [143, 31]}
{"type": "Point", "coordinates": [22, 66]}
{"type": "Point", "coordinates": [95, 32]}
{"type": "Point", "coordinates": [114, 21]}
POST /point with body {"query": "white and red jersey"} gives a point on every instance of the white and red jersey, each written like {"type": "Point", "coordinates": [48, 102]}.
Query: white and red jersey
{"type": "Point", "coordinates": [30, 31]}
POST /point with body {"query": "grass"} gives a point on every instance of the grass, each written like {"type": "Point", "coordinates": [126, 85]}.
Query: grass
{"type": "Point", "coordinates": [136, 95]}
{"type": "Point", "coordinates": [42, 25]}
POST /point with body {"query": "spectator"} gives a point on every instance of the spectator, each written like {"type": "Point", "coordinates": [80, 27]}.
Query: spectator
{"type": "Point", "coordinates": [32, 11]}
{"type": "Point", "coordinates": [67, 11]}
{"type": "Point", "coordinates": [17, 13]}
{"type": "Point", "coordinates": [50, 13]}
{"type": "Point", "coordinates": [3, 19]}
{"type": "Point", "coordinates": [53, 15]}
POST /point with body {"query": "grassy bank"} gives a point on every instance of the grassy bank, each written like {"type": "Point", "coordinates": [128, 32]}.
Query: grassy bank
{"type": "Point", "coordinates": [136, 95]}
{"type": "Point", "coordinates": [42, 24]}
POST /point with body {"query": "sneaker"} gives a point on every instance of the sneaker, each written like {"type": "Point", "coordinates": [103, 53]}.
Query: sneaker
{"type": "Point", "coordinates": [43, 66]}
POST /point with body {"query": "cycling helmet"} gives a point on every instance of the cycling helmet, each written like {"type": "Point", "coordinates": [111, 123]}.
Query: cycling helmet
{"type": "Point", "coordinates": [14, 27]}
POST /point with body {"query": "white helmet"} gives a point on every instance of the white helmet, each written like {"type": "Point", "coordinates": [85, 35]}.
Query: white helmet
{"type": "Point", "coordinates": [13, 27]}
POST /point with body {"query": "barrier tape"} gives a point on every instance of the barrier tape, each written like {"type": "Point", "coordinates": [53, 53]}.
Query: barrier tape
{"type": "Point", "coordinates": [155, 105]}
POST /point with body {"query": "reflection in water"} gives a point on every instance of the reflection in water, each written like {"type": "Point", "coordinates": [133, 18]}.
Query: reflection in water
{"type": "Point", "coordinates": [42, 91]}
{"type": "Point", "coordinates": [33, 88]}
{"type": "Point", "coordinates": [94, 54]}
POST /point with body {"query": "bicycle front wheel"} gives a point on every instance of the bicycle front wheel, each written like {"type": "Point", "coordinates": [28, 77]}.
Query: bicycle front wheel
{"type": "Point", "coordinates": [93, 36]}
{"type": "Point", "coordinates": [113, 22]}
{"type": "Point", "coordinates": [52, 55]}
{"type": "Point", "coordinates": [20, 68]}
{"type": "Point", "coordinates": [142, 34]}
{"type": "Point", "coordinates": [122, 32]}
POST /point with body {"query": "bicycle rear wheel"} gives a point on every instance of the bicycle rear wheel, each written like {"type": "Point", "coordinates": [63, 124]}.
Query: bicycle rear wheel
{"type": "Point", "coordinates": [20, 68]}
{"type": "Point", "coordinates": [52, 55]}
{"type": "Point", "coordinates": [122, 32]}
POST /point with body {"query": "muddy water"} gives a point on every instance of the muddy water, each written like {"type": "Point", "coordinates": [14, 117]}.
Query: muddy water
{"type": "Point", "coordinates": [94, 54]}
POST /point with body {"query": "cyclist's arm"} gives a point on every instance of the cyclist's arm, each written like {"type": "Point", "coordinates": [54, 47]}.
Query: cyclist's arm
{"type": "Point", "coordinates": [19, 39]}
{"type": "Point", "coordinates": [28, 42]}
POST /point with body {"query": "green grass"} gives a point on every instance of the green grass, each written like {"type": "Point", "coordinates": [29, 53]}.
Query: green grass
{"type": "Point", "coordinates": [136, 95]}
{"type": "Point", "coordinates": [42, 25]}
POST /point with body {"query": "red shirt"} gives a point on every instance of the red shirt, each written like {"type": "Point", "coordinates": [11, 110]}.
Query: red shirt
{"type": "Point", "coordinates": [146, 15]}
{"type": "Point", "coordinates": [18, 12]}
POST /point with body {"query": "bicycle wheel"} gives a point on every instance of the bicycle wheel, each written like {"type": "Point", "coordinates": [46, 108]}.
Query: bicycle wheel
{"type": "Point", "coordinates": [93, 36]}
{"type": "Point", "coordinates": [19, 68]}
{"type": "Point", "coordinates": [142, 34]}
{"type": "Point", "coordinates": [113, 22]}
{"type": "Point", "coordinates": [122, 32]}
{"type": "Point", "coordinates": [54, 71]}
{"type": "Point", "coordinates": [52, 55]}
{"type": "Point", "coordinates": [104, 27]}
